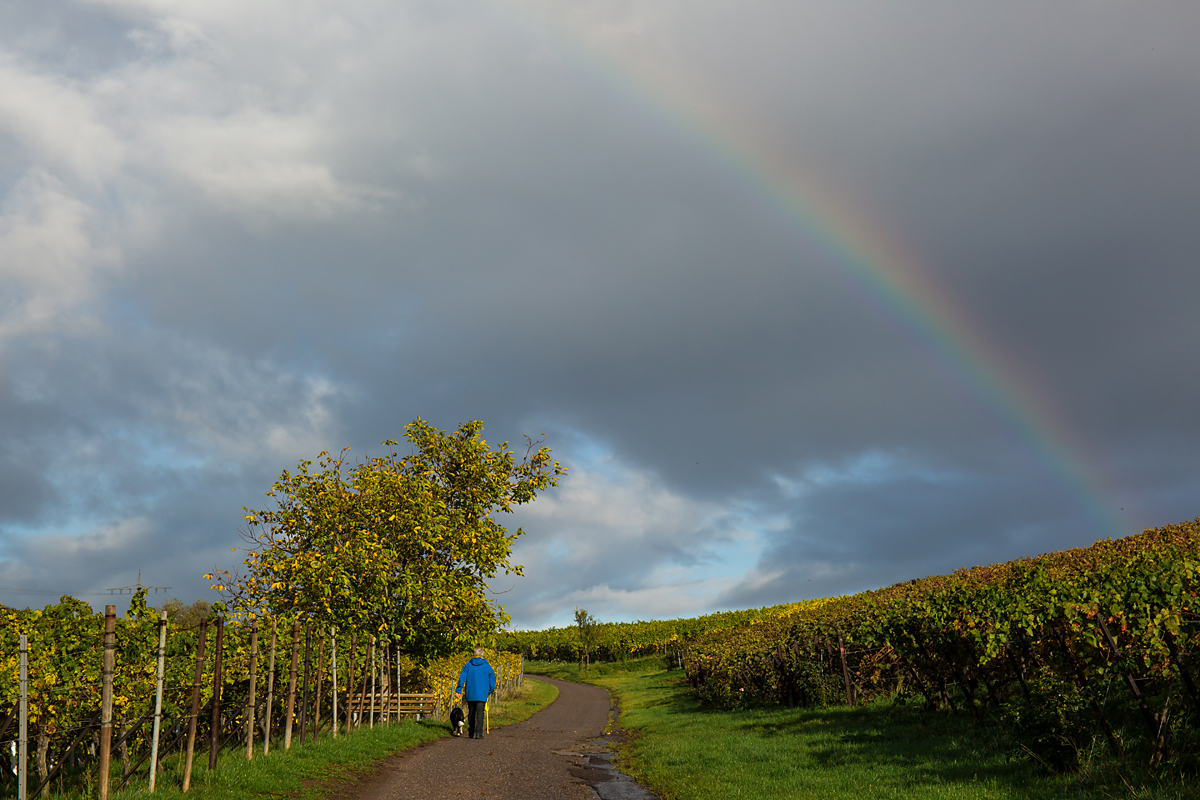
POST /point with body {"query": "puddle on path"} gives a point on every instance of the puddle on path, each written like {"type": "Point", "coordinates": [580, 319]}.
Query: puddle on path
{"type": "Point", "coordinates": [598, 772]}
{"type": "Point", "coordinates": [594, 766]}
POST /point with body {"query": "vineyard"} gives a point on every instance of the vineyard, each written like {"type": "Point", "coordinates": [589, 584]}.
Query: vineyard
{"type": "Point", "coordinates": [620, 640]}
{"type": "Point", "coordinates": [254, 685]}
{"type": "Point", "coordinates": [1071, 651]}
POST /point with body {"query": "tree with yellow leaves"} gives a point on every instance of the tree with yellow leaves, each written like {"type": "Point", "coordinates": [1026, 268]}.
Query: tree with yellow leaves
{"type": "Point", "coordinates": [399, 546]}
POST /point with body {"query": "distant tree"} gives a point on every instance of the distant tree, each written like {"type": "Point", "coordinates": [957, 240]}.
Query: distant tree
{"type": "Point", "coordinates": [184, 616]}
{"type": "Point", "coordinates": [587, 635]}
{"type": "Point", "coordinates": [397, 546]}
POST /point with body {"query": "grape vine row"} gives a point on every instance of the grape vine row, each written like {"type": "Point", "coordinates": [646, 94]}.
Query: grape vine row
{"type": "Point", "coordinates": [1083, 645]}
{"type": "Point", "coordinates": [65, 642]}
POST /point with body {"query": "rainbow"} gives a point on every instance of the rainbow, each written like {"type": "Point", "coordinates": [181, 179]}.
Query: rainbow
{"type": "Point", "coordinates": [868, 256]}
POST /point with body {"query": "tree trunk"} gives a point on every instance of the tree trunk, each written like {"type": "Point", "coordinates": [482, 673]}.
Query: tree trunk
{"type": "Point", "coordinates": [43, 768]}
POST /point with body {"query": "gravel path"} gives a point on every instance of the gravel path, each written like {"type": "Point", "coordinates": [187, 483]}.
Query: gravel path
{"type": "Point", "coordinates": [557, 754]}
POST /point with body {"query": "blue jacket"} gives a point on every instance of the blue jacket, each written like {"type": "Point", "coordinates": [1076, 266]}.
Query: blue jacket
{"type": "Point", "coordinates": [478, 679]}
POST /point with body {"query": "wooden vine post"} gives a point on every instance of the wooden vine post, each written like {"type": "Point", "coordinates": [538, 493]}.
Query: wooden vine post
{"type": "Point", "coordinates": [304, 695]}
{"type": "Point", "coordinates": [317, 705]}
{"type": "Point", "coordinates": [195, 710]}
{"type": "Point", "coordinates": [371, 724]}
{"type": "Point", "coordinates": [214, 728]}
{"type": "Point", "coordinates": [106, 697]}
{"type": "Point", "coordinates": [845, 672]}
{"type": "Point", "coordinates": [362, 698]}
{"type": "Point", "coordinates": [350, 682]}
{"type": "Point", "coordinates": [382, 685]}
{"type": "Point", "coordinates": [291, 694]}
{"type": "Point", "coordinates": [270, 690]}
{"type": "Point", "coordinates": [250, 696]}
{"type": "Point", "coordinates": [385, 679]}
{"type": "Point", "coordinates": [333, 678]}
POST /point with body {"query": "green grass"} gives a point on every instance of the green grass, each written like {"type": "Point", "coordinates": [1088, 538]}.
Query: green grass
{"type": "Point", "coordinates": [279, 774]}
{"type": "Point", "coordinates": [311, 770]}
{"type": "Point", "coordinates": [884, 750]}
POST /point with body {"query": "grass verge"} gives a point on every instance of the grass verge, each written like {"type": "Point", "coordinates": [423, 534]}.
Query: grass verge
{"type": "Point", "coordinates": [311, 770]}
{"type": "Point", "coordinates": [884, 750]}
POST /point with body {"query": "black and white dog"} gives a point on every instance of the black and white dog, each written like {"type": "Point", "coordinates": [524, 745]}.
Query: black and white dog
{"type": "Point", "coordinates": [457, 720]}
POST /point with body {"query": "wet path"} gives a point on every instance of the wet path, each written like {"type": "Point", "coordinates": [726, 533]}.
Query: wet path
{"type": "Point", "coordinates": [563, 752]}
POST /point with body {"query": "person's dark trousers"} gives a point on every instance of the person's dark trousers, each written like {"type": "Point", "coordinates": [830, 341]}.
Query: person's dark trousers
{"type": "Point", "coordinates": [475, 718]}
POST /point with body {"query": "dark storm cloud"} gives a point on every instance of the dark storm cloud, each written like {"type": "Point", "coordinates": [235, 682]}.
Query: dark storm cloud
{"type": "Point", "coordinates": [874, 525]}
{"type": "Point", "coordinates": [273, 231]}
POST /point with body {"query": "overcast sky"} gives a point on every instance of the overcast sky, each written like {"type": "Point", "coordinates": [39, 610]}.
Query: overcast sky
{"type": "Point", "coordinates": [810, 297]}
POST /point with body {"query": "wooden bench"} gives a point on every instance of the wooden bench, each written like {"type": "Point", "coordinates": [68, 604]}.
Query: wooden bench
{"type": "Point", "coordinates": [401, 703]}
{"type": "Point", "coordinates": [415, 703]}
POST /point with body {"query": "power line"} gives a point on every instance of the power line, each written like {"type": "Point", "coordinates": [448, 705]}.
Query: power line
{"type": "Point", "coordinates": [115, 590]}
{"type": "Point", "coordinates": [20, 590]}
{"type": "Point", "coordinates": [137, 587]}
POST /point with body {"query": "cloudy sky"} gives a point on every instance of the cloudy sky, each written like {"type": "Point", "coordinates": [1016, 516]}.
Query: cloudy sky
{"type": "Point", "coordinates": [811, 297]}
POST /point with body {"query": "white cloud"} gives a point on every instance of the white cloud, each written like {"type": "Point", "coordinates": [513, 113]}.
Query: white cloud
{"type": "Point", "coordinates": [172, 34]}
{"type": "Point", "coordinates": [54, 243]}
{"type": "Point", "coordinates": [218, 112]}
{"type": "Point", "coordinates": [56, 123]}
{"type": "Point", "coordinates": [50, 248]}
{"type": "Point", "coordinates": [873, 467]}
{"type": "Point", "coordinates": [41, 555]}
{"type": "Point", "coordinates": [595, 511]}
{"type": "Point", "coordinates": [228, 407]}
{"type": "Point", "coordinates": [680, 598]}
{"type": "Point", "coordinates": [266, 163]}
{"type": "Point", "coordinates": [618, 541]}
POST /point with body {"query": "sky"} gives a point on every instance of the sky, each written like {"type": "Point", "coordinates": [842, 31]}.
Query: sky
{"type": "Point", "coordinates": [810, 298]}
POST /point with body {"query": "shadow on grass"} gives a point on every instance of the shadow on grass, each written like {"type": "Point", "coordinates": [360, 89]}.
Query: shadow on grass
{"type": "Point", "coordinates": [885, 749]}
{"type": "Point", "coordinates": [942, 751]}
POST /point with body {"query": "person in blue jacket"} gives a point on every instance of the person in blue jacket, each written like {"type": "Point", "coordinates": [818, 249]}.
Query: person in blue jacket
{"type": "Point", "coordinates": [476, 683]}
